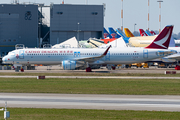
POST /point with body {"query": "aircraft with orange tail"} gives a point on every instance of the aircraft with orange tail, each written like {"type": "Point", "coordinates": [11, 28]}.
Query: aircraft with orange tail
{"type": "Point", "coordinates": [128, 32]}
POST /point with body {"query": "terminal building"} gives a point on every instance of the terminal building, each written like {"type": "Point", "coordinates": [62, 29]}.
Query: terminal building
{"type": "Point", "coordinates": [18, 25]}
{"type": "Point", "coordinates": [22, 24]}
{"type": "Point", "coordinates": [81, 21]}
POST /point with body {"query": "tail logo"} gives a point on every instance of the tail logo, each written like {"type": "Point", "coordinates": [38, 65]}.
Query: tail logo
{"type": "Point", "coordinates": [105, 35]}
{"type": "Point", "coordinates": [113, 35]}
{"type": "Point", "coordinates": [162, 41]}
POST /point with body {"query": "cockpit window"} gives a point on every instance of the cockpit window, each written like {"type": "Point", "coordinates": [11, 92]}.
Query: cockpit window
{"type": "Point", "coordinates": [11, 53]}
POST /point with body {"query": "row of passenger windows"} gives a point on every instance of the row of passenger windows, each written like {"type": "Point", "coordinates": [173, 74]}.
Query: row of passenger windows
{"type": "Point", "coordinates": [89, 54]}
{"type": "Point", "coordinates": [125, 54]}
{"type": "Point", "coordinates": [49, 54]}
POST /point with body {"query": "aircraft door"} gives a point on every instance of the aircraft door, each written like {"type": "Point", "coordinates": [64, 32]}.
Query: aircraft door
{"type": "Point", "coordinates": [107, 57]}
{"type": "Point", "coordinates": [145, 53]}
{"type": "Point", "coordinates": [21, 54]}
{"type": "Point", "coordinates": [77, 54]}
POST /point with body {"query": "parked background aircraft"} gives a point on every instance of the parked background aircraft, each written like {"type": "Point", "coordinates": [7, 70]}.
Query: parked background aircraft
{"type": "Point", "coordinates": [128, 32]}
{"type": "Point", "coordinates": [126, 39]}
{"type": "Point", "coordinates": [113, 33]}
{"type": "Point", "coordinates": [149, 33]}
{"type": "Point", "coordinates": [142, 32]}
{"type": "Point", "coordinates": [106, 34]}
{"type": "Point", "coordinates": [152, 32]}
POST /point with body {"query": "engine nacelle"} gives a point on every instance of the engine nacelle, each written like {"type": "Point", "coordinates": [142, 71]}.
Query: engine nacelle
{"type": "Point", "coordinates": [69, 65]}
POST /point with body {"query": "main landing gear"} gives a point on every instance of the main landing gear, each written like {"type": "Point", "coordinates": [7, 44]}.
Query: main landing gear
{"type": "Point", "coordinates": [22, 70]}
{"type": "Point", "coordinates": [88, 69]}
{"type": "Point", "coordinates": [177, 66]}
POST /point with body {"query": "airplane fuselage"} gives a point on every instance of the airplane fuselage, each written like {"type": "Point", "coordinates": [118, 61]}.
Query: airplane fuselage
{"type": "Point", "coordinates": [56, 56]}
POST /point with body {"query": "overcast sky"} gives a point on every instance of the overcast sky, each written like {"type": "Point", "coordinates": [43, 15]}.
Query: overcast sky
{"type": "Point", "coordinates": [135, 11]}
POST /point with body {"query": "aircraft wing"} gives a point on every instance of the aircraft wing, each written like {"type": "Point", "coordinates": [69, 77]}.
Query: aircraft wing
{"type": "Point", "coordinates": [175, 56]}
{"type": "Point", "coordinates": [95, 43]}
{"type": "Point", "coordinates": [93, 59]}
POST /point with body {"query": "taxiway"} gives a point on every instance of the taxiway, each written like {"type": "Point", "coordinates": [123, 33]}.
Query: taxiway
{"type": "Point", "coordinates": [89, 101]}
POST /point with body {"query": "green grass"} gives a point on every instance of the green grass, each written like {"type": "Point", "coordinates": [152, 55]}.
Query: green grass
{"type": "Point", "coordinates": [91, 86]}
{"type": "Point", "coordinates": [76, 73]}
{"type": "Point", "coordinates": [78, 114]}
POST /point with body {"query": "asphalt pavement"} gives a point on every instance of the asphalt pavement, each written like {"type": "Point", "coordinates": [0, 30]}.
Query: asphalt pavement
{"type": "Point", "coordinates": [89, 101]}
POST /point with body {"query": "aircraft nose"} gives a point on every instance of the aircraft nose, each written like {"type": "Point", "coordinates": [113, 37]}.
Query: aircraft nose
{"type": "Point", "coordinates": [3, 59]}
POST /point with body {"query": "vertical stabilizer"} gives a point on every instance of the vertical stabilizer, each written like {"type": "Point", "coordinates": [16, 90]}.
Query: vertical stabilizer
{"type": "Point", "coordinates": [142, 32]}
{"type": "Point", "coordinates": [106, 34]}
{"type": "Point", "coordinates": [126, 39]}
{"type": "Point", "coordinates": [163, 39]}
{"type": "Point", "coordinates": [113, 33]}
{"type": "Point", "coordinates": [148, 33]}
{"type": "Point", "coordinates": [128, 32]}
{"type": "Point", "coordinates": [152, 32]}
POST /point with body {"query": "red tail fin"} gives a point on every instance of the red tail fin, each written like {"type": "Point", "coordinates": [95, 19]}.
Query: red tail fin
{"type": "Point", "coordinates": [152, 32]}
{"type": "Point", "coordinates": [163, 39]}
{"type": "Point", "coordinates": [142, 32]}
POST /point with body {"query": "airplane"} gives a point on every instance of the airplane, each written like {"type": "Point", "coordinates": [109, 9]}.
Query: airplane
{"type": "Point", "coordinates": [142, 32]}
{"type": "Point", "coordinates": [95, 42]}
{"type": "Point", "coordinates": [113, 33]}
{"type": "Point", "coordinates": [145, 41]}
{"type": "Point", "coordinates": [152, 32]}
{"type": "Point", "coordinates": [73, 58]}
{"type": "Point", "coordinates": [106, 41]}
{"type": "Point", "coordinates": [128, 32]}
{"type": "Point", "coordinates": [149, 33]}
{"type": "Point", "coordinates": [72, 42]}
{"type": "Point", "coordinates": [140, 41]}
{"type": "Point", "coordinates": [106, 34]}
{"type": "Point", "coordinates": [168, 59]}
{"type": "Point", "coordinates": [152, 36]}
{"type": "Point", "coordinates": [107, 37]}
{"type": "Point", "coordinates": [126, 39]}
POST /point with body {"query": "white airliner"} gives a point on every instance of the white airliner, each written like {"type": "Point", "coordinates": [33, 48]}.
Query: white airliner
{"type": "Point", "coordinates": [71, 58]}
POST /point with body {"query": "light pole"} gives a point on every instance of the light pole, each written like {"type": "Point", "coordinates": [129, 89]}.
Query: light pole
{"type": "Point", "coordinates": [148, 16]}
{"type": "Point", "coordinates": [160, 1]}
{"type": "Point", "coordinates": [122, 17]}
{"type": "Point", "coordinates": [134, 27]}
{"type": "Point", "coordinates": [78, 31]}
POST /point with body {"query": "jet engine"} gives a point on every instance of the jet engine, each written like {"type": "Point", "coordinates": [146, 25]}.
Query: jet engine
{"type": "Point", "coordinates": [69, 65]}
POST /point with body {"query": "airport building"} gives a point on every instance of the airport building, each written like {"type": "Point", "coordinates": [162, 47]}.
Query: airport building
{"type": "Point", "coordinates": [18, 25]}
{"type": "Point", "coordinates": [81, 21]}
{"type": "Point", "coordinates": [22, 24]}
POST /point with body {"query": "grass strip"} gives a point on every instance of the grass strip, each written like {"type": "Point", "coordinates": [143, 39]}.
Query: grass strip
{"type": "Point", "coordinates": [87, 74]}
{"type": "Point", "coordinates": [91, 86]}
{"type": "Point", "coordinates": [79, 114]}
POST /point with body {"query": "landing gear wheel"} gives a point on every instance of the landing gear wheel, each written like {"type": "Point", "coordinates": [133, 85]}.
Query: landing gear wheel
{"type": "Point", "coordinates": [88, 69]}
{"type": "Point", "coordinates": [22, 70]}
